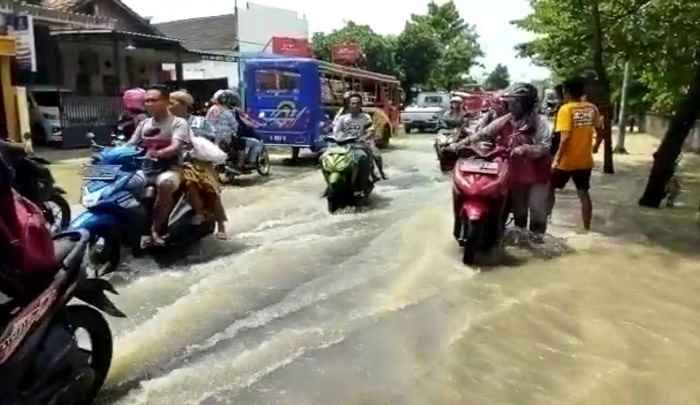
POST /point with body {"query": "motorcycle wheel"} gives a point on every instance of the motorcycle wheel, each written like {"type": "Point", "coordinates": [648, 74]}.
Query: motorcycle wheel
{"type": "Point", "coordinates": [262, 163]}
{"type": "Point", "coordinates": [57, 213]}
{"type": "Point", "coordinates": [81, 318]}
{"type": "Point", "coordinates": [471, 245]}
{"type": "Point", "coordinates": [104, 253]}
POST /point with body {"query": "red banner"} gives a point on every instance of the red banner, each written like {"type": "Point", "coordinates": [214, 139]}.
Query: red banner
{"type": "Point", "coordinates": [347, 53]}
{"type": "Point", "coordinates": [298, 47]}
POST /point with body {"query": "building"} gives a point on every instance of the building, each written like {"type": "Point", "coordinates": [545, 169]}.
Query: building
{"type": "Point", "coordinates": [221, 38]}
{"type": "Point", "coordinates": [105, 60]}
{"type": "Point", "coordinates": [85, 54]}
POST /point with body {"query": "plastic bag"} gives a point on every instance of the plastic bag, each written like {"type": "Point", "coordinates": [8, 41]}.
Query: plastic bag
{"type": "Point", "coordinates": [205, 150]}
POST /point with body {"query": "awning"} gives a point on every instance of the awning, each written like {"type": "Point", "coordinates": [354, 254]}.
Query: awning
{"type": "Point", "coordinates": [135, 39]}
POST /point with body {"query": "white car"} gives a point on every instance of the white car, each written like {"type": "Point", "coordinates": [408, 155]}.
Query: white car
{"type": "Point", "coordinates": [45, 113]}
{"type": "Point", "coordinates": [425, 114]}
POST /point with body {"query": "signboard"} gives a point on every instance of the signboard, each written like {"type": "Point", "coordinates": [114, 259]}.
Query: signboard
{"type": "Point", "coordinates": [21, 27]}
{"type": "Point", "coordinates": [348, 53]}
{"type": "Point", "coordinates": [297, 47]}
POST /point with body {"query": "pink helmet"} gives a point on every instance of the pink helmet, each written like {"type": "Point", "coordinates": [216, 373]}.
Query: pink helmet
{"type": "Point", "coordinates": [134, 99]}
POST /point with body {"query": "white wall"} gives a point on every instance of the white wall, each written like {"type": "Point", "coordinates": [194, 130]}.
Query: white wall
{"type": "Point", "coordinates": [257, 24]}
{"type": "Point", "coordinates": [208, 69]}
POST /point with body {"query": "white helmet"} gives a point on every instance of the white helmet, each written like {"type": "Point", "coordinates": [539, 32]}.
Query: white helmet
{"type": "Point", "coordinates": [456, 99]}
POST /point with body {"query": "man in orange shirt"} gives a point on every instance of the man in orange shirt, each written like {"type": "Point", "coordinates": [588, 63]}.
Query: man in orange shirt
{"type": "Point", "coordinates": [576, 122]}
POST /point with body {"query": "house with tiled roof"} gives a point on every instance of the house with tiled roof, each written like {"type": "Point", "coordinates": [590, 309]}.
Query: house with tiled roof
{"type": "Point", "coordinates": [92, 50]}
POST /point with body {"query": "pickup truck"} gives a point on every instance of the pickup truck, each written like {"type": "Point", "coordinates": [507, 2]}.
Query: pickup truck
{"type": "Point", "coordinates": [425, 114]}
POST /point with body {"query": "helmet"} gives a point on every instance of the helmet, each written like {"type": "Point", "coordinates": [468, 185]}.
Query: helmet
{"type": "Point", "coordinates": [227, 97]}
{"type": "Point", "coordinates": [456, 99]}
{"type": "Point", "coordinates": [526, 92]}
{"type": "Point", "coordinates": [134, 99]}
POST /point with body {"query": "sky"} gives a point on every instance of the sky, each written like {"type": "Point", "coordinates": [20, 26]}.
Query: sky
{"type": "Point", "coordinates": [491, 18]}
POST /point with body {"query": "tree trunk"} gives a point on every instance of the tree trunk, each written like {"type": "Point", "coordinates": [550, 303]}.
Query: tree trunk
{"type": "Point", "coordinates": [605, 107]}
{"type": "Point", "coordinates": [665, 157]}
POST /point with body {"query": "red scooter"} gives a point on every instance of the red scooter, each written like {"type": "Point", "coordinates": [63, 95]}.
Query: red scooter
{"type": "Point", "coordinates": [479, 196]}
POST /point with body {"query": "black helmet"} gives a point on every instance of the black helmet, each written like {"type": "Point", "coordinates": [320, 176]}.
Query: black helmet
{"type": "Point", "coordinates": [524, 91]}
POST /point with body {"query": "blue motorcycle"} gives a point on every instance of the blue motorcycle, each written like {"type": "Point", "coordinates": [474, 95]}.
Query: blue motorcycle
{"type": "Point", "coordinates": [119, 199]}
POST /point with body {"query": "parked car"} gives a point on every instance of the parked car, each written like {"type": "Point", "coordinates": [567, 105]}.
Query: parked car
{"type": "Point", "coordinates": [425, 114]}
{"type": "Point", "coordinates": [45, 113]}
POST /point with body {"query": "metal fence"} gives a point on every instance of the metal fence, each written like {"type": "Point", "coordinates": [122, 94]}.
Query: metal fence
{"type": "Point", "coordinates": [83, 114]}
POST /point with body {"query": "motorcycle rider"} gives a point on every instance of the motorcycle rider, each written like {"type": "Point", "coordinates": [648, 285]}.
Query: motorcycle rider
{"type": "Point", "coordinates": [222, 116]}
{"type": "Point", "coordinates": [359, 125]}
{"type": "Point", "coordinates": [129, 120]}
{"type": "Point", "coordinates": [496, 108]}
{"type": "Point", "coordinates": [200, 178]}
{"type": "Point", "coordinates": [529, 136]}
{"type": "Point", "coordinates": [454, 117]}
{"type": "Point", "coordinates": [169, 135]}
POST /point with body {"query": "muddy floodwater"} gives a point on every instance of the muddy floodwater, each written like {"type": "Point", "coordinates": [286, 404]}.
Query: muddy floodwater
{"type": "Point", "coordinates": [375, 307]}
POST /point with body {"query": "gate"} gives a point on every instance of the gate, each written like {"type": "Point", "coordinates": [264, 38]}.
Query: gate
{"type": "Point", "coordinates": [83, 114]}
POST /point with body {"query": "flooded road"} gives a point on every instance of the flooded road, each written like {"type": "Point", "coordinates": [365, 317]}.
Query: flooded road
{"type": "Point", "coordinates": [302, 307]}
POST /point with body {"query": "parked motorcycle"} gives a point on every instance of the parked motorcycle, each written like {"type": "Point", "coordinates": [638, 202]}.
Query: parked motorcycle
{"type": "Point", "coordinates": [35, 182]}
{"type": "Point", "coordinates": [480, 193]}
{"type": "Point", "coordinates": [347, 169]}
{"type": "Point", "coordinates": [119, 195]}
{"type": "Point", "coordinates": [44, 358]}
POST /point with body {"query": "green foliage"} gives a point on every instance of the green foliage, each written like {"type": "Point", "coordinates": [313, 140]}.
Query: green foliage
{"type": "Point", "coordinates": [498, 79]}
{"type": "Point", "coordinates": [435, 51]}
{"type": "Point", "coordinates": [379, 50]}
{"type": "Point", "coordinates": [658, 37]}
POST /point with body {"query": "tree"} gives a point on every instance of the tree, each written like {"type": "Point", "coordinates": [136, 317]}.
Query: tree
{"type": "Point", "coordinates": [437, 50]}
{"type": "Point", "coordinates": [417, 53]}
{"type": "Point", "coordinates": [659, 39]}
{"type": "Point", "coordinates": [665, 157]}
{"type": "Point", "coordinates": [498, 79]}
{"type": "Point", "coordinates": [379, 51]}
{"type": "Point", "coordinates": [573, 41]}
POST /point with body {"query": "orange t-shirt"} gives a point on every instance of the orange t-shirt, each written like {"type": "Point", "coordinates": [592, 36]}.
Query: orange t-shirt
{"type": "Point", "coordinates": [578, 121]}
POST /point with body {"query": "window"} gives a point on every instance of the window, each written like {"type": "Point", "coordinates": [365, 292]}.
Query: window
{"type": "Point", "coordinates": [277, 81]}
{"type": "Point", "coordinates": [433, 100]}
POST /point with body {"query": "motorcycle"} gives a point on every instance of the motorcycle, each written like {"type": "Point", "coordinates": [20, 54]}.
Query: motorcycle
{"type": "Point", "coordinates": [347, 170]}
{"type": "Point", "coordinates": [256, 155]}
{"type": "Point", "coordinates": [256, 159]}
{"type": "Point", "coordinates": [119, 197]}
{"type": "Point", "coordinates": [43, 356]}
{"type": "Point", "coordinates": [35, 181]}
{"type": "Point", "coordinates": [480, 193]}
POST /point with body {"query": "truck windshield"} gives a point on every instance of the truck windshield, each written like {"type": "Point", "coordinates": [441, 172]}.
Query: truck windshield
{"type": "Point", "coordinates": [272, 81]}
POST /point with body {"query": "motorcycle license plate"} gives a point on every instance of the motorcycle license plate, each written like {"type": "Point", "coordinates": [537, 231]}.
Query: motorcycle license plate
{"type": "Point", "coordinates": [101, 172]}
{"type": "Point", "coordinates": [479, 166]}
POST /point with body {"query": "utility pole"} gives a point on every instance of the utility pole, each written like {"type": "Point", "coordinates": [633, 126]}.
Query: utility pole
{"type": "Point", "coordinates": [622, 123]}
{"type": "Point", "coordinates": [241, 83]}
